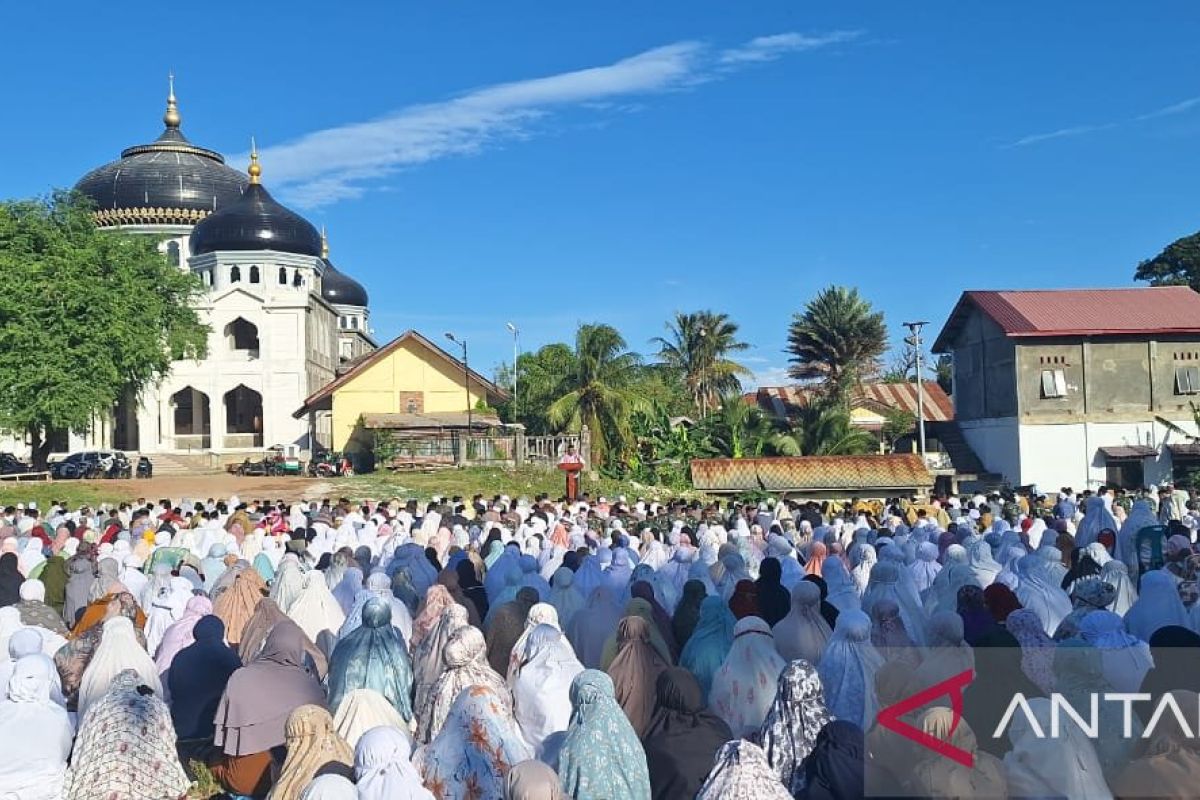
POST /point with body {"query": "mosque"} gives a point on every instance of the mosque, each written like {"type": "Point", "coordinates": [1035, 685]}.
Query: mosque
{"type": "Point", "coordinates": [282, 318]}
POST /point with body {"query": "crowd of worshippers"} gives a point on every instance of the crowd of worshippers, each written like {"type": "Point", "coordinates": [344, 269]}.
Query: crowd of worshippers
{"type": "Point", "coordinates": [595, 650]}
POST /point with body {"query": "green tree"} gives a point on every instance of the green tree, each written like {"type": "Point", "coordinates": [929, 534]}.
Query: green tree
{"type": "Point", "coordinates": [897, 422]}
{"type": "Point", "coordinates": [540, 376]}
{"type": "Point", "coordinates": [699, 349]}
{"type": "Point", "coordinates": [836, 341]}
{"type": "Point", "coordinates": [739, 429]}
{"type": "Point", "coordinates": [823, 428]}
{"type": "Point", "coordinates": [944, 369]}
{"type": "Point", "coordinates": [85, 315]}
{"type": "Point", "coordinates": [599, 391]}
{"type": "Point", "coordinates": [1177, 265]}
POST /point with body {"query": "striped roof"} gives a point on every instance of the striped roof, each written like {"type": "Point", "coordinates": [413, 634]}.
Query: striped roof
{"type": "Point", "coordinates": [782, 400]}
{"type": "Point", "coordinates": [835, 475]}
{"type": "Point", "coordinates": [1079, 312]}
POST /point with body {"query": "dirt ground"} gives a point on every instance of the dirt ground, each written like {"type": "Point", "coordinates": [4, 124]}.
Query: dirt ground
{"type": "Point", "coordinates": [202, 487]}
{"type": "Point", "coordinates": [175, 487]}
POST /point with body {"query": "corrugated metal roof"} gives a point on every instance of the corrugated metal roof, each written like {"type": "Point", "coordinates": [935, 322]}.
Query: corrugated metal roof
{"type": "Point", "coordinates": [1126, 451]}
{"type": "Point", "coordinates": [780, 400]}
{"type": "Point", "coordinates": [1080, 312]}
{"type": "Point", "coordinates": [837, 474]}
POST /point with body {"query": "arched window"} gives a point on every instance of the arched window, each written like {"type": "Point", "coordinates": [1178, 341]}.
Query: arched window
{"type": "Point", "coordinates": [207, 277]}
{"type": "Point", "coordinates": [173, 253]}
{"type": "Point", "coordinates": [283, 276]}
{"type": "Point", "coordinates": [297, 279]}
{"type": "Point", "coordinates": [241, 335]}
{"type": "Point", "coordinates": [354, 323]}
{"type": "Point", "coordinates": [235, 274]}
{"type": "Point", "coordinates": [254, 274]}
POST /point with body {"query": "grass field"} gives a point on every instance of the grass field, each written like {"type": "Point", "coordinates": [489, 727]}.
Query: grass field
{"type": "Point", "coordinates": [489, 481]}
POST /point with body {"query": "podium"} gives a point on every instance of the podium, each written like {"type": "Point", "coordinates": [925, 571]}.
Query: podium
{"type": "Point", "coordinates": [572, 472]}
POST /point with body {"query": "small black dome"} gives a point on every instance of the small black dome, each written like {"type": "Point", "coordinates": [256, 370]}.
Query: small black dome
{"type": "Point", "coordinates": [256, 222]}
{"type": "Point", "coordinates": [167, 182]}
{"type": "Point", "coordinates": [340, 289]}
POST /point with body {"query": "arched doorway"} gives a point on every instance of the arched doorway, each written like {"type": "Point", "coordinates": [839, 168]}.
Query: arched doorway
{"type": "Point", "coordinates": [125, 422]}
{"type": "Point", "coordinates": [243, 418]}
{"type": "Point", "coordinates": [192, 419]}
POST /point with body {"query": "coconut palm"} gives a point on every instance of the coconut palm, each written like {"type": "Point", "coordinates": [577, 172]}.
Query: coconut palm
{"type": "Point", "coordinates": [739, 429]}
{"type": "Point", "coordinates": [837, 340]}
{"type": "Point", "coordinates": [699, 348]}
{"type": "Point", "coordinates": [598, 391]}
{"type": "Point", "coordinates": [823, 428]}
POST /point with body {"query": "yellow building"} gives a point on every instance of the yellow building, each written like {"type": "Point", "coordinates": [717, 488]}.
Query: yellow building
{"type": "Point", "coordinates": [415, 383]}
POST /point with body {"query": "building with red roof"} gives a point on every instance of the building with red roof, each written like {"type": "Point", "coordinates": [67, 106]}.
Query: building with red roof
{"type": "Point", "coordinates": [1077, 387]}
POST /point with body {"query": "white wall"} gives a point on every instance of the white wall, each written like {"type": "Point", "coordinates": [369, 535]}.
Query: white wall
{"type": "Point", "coordinates": [997, 444]}
{"type": "Point", "coordinates": [1053, 456]}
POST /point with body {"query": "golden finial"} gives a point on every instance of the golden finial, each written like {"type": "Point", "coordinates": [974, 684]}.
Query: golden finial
{"type": "Point", "coordinates": [324, 243]}
{"type": "Point", "coordinates": [254, 170]}
{"type": "Point", "coordinates": [171, 117]}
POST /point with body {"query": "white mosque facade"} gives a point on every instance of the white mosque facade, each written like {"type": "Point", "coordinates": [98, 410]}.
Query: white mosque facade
{"type": "Point", "coordinates": [282, 318]}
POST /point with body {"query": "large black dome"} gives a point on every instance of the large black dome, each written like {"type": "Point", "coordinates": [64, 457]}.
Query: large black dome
{"type": "Point", "coordinates": [340, 289]}
{"type": "Point", "coordinates": [167, 182]}
{"type": "Point", "coordinates": [255, 222]}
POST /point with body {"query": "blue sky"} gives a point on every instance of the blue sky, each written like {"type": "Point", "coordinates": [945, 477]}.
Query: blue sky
{"type": "Point", "coordinates": [556, 163]}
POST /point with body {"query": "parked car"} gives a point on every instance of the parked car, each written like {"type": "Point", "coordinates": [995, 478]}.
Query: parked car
{"type": "Point", "coordinates": [91, 464]}
{"type": "Point", "coordinates": [145, 467]}
{"type": "Point", "coordinates": [11, 465]}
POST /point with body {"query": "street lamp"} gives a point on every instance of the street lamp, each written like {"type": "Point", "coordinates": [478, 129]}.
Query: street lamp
{"type": "Point", "coordinates": [466, 375]}
{"type": "Point", "coordinates": [516, 334]}
{"type": "Point", "coordinates": [914, 328]}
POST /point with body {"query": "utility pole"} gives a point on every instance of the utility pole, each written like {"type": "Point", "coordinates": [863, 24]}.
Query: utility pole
{"type": "Point", "coordinates": [914, 339]}
{"type": "Point", "coordinates": [516, 334]}
{"type": "Point", "coordinates": [466, 376]}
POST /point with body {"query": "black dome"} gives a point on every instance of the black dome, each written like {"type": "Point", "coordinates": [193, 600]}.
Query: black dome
{"type": "Point", "coordinates": [255, 222]}
{"type": "Point", "coordinates": [340, 289]}
{"type": "Point", "coordinates": [167, 182]}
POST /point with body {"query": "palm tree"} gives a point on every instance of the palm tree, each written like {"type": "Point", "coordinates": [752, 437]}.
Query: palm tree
{"type": "Point", "coordinates": [824, 429]}
{"type": "Point", "coordinates": [837, 340]}
{"type": "Point", "coordinates": [599, 391]}
{"type": "Point", "coordinates": [699, 348]}
{"type": "Point", "coordinates": [738, 429]}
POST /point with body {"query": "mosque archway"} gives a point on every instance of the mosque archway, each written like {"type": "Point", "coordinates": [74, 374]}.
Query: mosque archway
{"type": "Point", "coordinates": [243, 418]}
{"type": "Point", "coordinates": [192, 419]}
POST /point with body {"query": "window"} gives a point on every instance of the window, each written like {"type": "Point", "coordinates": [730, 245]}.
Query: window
{"type": "Point", "coordinates": [297, 279]}
{"type": "Point", "coordinates": [354, 323]}
{"type": "Point", "coordinates": [1054, 383]}
{"type": "Point", "coordinates": [173, 253]}
{"type": "Point", "coordinates": [235, 274]}
{"type": "Point", "coordinates": [283, 276]}
{"type": "Point", "coordinates": [207, 277]}
{"type": "Point", "coordinates": [1187, 380]}
{"type": "Point", "coordinates": [253, 274]}
{"type": "Point", "coordinates": [242, 335]}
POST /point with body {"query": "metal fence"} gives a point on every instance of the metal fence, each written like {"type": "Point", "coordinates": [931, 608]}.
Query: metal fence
{"type": "Point", "coordinates": [452, 448]}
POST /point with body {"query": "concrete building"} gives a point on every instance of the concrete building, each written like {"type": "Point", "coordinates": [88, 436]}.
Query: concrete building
{"type": "Point", "coordinates": [1077, 387]}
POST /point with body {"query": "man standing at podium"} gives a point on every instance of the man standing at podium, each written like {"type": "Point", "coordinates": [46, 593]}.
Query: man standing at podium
{"type": "Point", "coordinates": [572, 464]}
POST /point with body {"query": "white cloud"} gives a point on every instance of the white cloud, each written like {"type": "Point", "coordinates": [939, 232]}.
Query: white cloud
{"type": "Point", "coordinates": [771, 376]}
{"type": "Point", "coordinates": [343, 162]}
{"type": "Point", "coordinates": [1061, 133]}
{"type": "Point", "coordinates": [1174, 108]}
{"type": "Point", "coordinates": [769, 48]}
